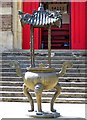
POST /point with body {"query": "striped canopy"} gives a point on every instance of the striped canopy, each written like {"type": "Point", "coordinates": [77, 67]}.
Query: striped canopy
{"type": "Point", "coordinates": [40, 18]}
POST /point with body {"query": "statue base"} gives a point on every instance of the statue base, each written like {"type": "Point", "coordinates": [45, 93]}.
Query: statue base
{"type": "Point", "coordinates": [44, 114]}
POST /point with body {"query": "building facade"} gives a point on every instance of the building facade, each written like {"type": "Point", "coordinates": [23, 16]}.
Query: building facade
{"type": "Point", "coordinates": [72, 35]}
{"type": "Point", "coordinates": [10, 28]}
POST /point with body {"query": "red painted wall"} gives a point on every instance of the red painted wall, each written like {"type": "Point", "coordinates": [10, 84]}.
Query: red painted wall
{"type": "Point", "coordinates": [28, 7]}
{"type": "Point", "coordinates": [78, 25]}
{"type": "Point", "coordinates": [86, 25]}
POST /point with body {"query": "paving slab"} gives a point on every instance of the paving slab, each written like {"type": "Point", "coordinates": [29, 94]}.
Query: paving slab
{"type": "Point", "coordinates": [19, 111]}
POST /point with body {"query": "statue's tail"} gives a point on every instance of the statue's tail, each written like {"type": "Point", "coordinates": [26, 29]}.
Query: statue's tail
{"type": "Point", "coordinates": [16, 65]}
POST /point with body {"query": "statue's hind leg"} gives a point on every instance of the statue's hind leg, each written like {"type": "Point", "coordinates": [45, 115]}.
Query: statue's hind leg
{"type": "Point", "coordinates": [57, 93]}
{"type": "Point", "coordinates": [27, 94]}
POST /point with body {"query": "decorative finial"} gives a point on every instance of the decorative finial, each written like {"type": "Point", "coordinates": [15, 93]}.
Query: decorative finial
{"type": "Point", "coordinates": [41, 8]}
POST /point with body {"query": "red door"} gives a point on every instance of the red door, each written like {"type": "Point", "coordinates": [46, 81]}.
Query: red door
{"type": "Point", "coordinates": [28, 7]}
{"type": "Point", "coordinates": [78, 19]}
{"type": "Point", "coordinates": [86, 24]}
{"type": "Point", "coordinates": [60, 37]}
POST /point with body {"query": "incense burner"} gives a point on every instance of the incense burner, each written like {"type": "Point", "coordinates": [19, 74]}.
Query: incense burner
{"type": "Point", "coordinates": [41, 78]}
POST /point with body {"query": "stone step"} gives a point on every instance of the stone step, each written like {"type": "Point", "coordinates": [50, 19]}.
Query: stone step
{"type": "Point", "coordinates": [61, 79]}
{"type": "Point", "coordinates": [11, 88]}
{"type": "Point", "coordinates": [64, 89]}
{"type": "Point", "coordinates": [17, 57]}
{"type": "Point", "coordinates": [44, 51]}
{"type": "Point", "coordinates": [44, 94]}
{"type": "Point", "coordinates": [75, 68]}
{"type": "Point", "coordinates": [66, 75]}
{"type": "Point", "coordinates": [82, 70]}
{"type": "Point", "coordinates": [25, 64]}
{"type": "Point", "coordinates": [43, 57]}
{"type": "Point", "coordinates": [63, 84]}
{"type": "Point", "coordinates": [53, 60]}
{"type": "Point", "coordinates": [68, 58]}
{"type": "Point", "coordinates": [72, 70]}
{"type": "Point", "coordinates": [45, 54]}
{"type": "Point", "coordinates": [72, 73]}
{"type": "Point", "coordinates": [39, 59]}
{"type": "Point", "coordinates": [45, 100]}
{"type": "Point", "coordinates": [67, 100]}
{"type": "Point", "coordinates": [11, 83]}
{"type": "Point", "coordinates": [10, 78]}
{"type": "Point", "coordinates": [73, 84]}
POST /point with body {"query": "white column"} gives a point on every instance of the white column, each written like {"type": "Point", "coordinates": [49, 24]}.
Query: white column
{"type": "Point", "coordinates": [19, 7]}
{"type": "Point", "coordinates": [17, 29]}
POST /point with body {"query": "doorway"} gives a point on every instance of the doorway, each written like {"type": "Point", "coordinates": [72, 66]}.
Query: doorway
{"type": "Point", "coordinates": [60, 38]}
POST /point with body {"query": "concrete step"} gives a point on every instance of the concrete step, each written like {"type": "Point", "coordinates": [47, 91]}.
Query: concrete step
{"type": "Point", "coordinates": [45, 100]}
{"type": "Point", "coordinates": [80, 70]}
{"type": "Point", "coordinates": [63, 84]}
{"type": "Point", "coordinates": [9, 78]}
{"type": "Point", "coordinates": [76, 68]}
{"type": "Point", "coordinates": [11, 88]}
{"type": "Point", "coordinates": [43, 57]}
{"type": "Point", "coordinates": [45, 94]}
{"type": "Point", "coordinates": [11, 83]}
{"type": "Point", "coordinates": [73, 84]}
{"type": "Point", "coordinates": [64, 89]}
{"type": "Point", "coordinates": [73, 70]}
{"type": "Point", "coordinates": [55, 64]}
{"type": "Point", "coordinates": [61, 79]}
{"type": "Point", "coordinates": [61, 59]}
{"type": "Point", "coordinates": [16, 57]}
{"type": "Point", "coordinates": [66, 75]}
{"type": "Point", "coordinates": [44, 51]}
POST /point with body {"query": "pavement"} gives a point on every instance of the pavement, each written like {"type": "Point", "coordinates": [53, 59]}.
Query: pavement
{"type": "Point", "coordinates": [19, 111]}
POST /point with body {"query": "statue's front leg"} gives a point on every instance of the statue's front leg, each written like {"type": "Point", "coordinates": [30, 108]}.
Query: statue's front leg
{"type": "Point", "coordinates": [57, 93]}
{"type": "Point", "coordinates": [27, 94]}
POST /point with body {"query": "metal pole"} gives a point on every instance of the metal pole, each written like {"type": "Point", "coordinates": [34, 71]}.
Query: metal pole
{"type": "Point", "coordinates": [49, 46]}
{"type": "Point", "coordinates": [32, 46]}
{"type": "Point", "coordinates": [33, 57]}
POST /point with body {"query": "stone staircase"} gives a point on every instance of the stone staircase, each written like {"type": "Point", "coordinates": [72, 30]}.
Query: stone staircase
{"type": "Point", "coordinates": [73, 84]}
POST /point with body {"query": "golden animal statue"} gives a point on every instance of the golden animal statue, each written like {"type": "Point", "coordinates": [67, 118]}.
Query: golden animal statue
{"type": "Point", "coordinates": [40, 79]}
